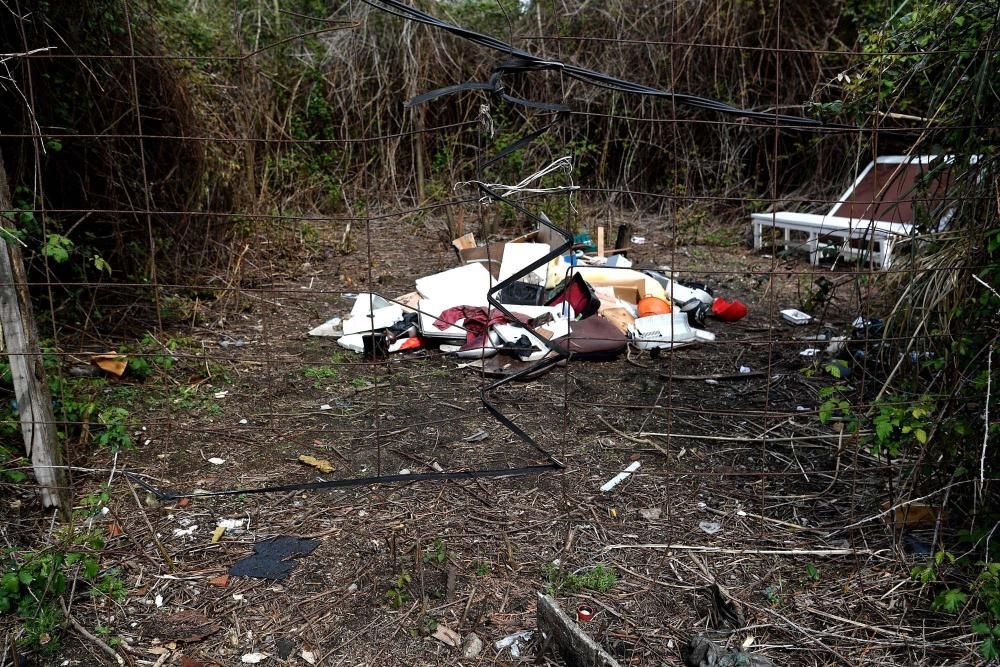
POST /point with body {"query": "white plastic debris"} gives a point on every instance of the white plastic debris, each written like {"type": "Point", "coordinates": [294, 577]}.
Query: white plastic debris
{"type": "Point", "coordinates": [620, 477]}
{"type": "Point", "coordinates": [326, 406]}
{"type": "Point", "coordinates": [638, 240]}
{"type": "Point", "coordinates": [662, 331]}
{"type": "Point", "coordinates": [710, 527]}
{"type": "Point", "coordinates": [185, 532]}
{"type": "Point", "coordinates": [809, 352]}
{"type": "Point", "coordinates": [745, 370]}
{"type": "Point", "coordinates": [244, 421]}
{"type": "Point", "coordinates": [371, 313]}
{"type": "Point", "coordinates": [231, 524]}
{"type": "Point", "coordinates": [796, 317]}
{"type": "Point", "coordinates": [513, 642]}
{"type": "Point", "coordinates": [254, 658]}
{"type": "Point", "coordinates": [354, 343]}
{"type": "Point", "coordinates": [216, 461]}
{"type": "Point", "coordinates": [404, 471]}
{"type": "Point", "coordinates": [329, 328]}
{"type": "Point", "coordinates": [158, 600]}
{"type": "Point", "coordinates": [619, 261]}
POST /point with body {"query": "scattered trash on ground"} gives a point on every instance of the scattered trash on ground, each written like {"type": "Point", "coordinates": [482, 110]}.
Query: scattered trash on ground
{"type": "Point", "coordinates": [513, 642]}
{"type": "Point", "coordinates": [254, 658]}
{"type": "Point", "coordinates": [620, 477]}
{"type": "Point", "coordinates": [321, 465]}
{"type": "Point", "coordinates": [710, 527]}
{"type": "Point", "coordinates": [216, 461]}
{"type": "Point", "coordinates": [590, 303]}
{"type": "Point", "coordinates": [796, 317]}
{"type": "Point", "coordinates": [270, 558]}
{"type": "Point", "coordinates": [703, 652]}
{"type": "Point", "coordinates": [111, 363]}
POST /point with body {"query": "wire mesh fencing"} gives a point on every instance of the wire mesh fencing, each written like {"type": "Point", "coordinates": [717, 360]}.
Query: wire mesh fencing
{"type": "Point", "coordinates": [467, 318]}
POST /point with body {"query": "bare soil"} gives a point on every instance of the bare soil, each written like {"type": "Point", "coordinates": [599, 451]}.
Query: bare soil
{"type": "Point", "coordinates": [800, 552]}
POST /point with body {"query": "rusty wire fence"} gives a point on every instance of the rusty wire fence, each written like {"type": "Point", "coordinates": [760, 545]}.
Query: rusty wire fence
{"type": "Point", "coordinates": [478, 475]}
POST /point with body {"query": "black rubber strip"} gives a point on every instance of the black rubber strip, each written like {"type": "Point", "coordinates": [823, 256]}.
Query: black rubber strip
{"type": "Point", "coordinates": [164, 495]}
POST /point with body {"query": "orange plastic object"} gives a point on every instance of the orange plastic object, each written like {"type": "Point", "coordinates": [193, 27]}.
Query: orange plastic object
{"type": "Point", "coordinates": [651, 305]}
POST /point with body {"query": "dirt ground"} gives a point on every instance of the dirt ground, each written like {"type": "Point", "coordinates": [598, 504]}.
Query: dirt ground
{"type": "Point", "coordinates": [740, 486]}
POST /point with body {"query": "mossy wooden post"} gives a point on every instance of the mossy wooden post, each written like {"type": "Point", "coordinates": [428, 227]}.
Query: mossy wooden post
{"type": "Point", "coordinates": [34, 403]}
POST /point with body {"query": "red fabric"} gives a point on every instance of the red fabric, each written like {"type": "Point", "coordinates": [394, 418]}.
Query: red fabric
{"type": "Point", "coordinates": [476, 324]}
{"type": "Point", "coordinates": [728, 311]}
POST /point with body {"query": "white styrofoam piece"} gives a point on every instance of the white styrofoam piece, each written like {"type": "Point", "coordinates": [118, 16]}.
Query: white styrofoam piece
{"type": "Point", "coordinates": [517, 256]}
{"type": "Point", "coordinates": [381, 318]}
{"type": "Point", "coordinates": [365, 303]}
{"type": "Point", "coordinates": [354, 343]}
{"type": "Point", "coordinates": [465, 285]}
{"type": "Point", "coordinates": [328, 328]}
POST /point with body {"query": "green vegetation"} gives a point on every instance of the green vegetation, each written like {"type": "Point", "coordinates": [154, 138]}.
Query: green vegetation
{"type": "Point", "coordinates": [598, 578]}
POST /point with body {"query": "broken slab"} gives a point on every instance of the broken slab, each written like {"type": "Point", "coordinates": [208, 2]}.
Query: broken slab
{"type": "Point", "coordinates": [576, 646]}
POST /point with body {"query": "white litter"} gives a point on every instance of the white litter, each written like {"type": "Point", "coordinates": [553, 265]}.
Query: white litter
{"type": "Point", "coordinates": [231, 524]}
{"type": "Point", "coordinates": [513, 642]}
{"type": "Point", "coordinates": [638, 240]}
{"type": "Point", "coordinates": [518, 256]}
{"type": "Point", "coordinates": [466, 285]}
{"type": "Point", "coordinates": [354, 343]}
{"type": "Point", "coordinates": [216, 461]}
{"type": "Point", "coordinates": [796, 317]}
{"type": "Point", "coordinates": [158, 601]}
{"type": "Point", "coordinates": [221, 394]}
{"type": "Point", "coordinates": [185, 532]}
{"type": "Point", "coordinates": [308, 656]}
{"type": "Point", "coordinates": [620, 477]}
{"type": "Point", "coordinates": [326, 406]}
{"type": "Point", "coordinates": [745, 370]}
{"type": "Point", "coordinates": [662, 331]}
{"type": "Point", "coordinates": [809, 352]}
{"type": "Point", "coordinates": [619, 261]}
{"type": "Point", "coordinates": [254, 658]}
{"type": "Point", "coordinates": [710, 527]}
{"type": "Point", "coordinates": [329, 328]}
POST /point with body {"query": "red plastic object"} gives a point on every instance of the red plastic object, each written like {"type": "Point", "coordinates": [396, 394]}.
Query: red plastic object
{"type": "Point", "coordinates": [584, 613]}
{"type": "Point", "coordinates": [729, 311]}
{"type": "Point", "coordinates": [411, 344]}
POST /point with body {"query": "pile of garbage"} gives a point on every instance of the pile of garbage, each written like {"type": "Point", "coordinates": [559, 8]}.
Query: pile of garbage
{"type": "Point", "coordinates": [584, 304]}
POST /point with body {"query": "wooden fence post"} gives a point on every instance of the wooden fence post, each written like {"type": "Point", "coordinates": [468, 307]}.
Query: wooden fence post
{"type": "Point", "coordinates": [34, 402]}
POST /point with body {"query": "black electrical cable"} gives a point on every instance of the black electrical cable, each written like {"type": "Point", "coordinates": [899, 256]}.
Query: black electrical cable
{"type": "Point", "coordinates": [522, 61]}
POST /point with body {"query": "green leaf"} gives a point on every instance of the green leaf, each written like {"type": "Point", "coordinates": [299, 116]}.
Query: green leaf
{"type": "Point", "coordinates": [981, 628]}
{"type": "Point", "coordinates": [57, 247]}
{"type": "Point", "coordinates": [11, 583]}
{"type": "Point", "coordinates": [90, 568]}
{"type": "Point", "coordinates": [989, 649]}
{"type": "Point", "coordinates": [101, 265]}
{"type": "Point", "coordinates": [25, 577]}
{"type": "Point", "coordinates": [951, 600]}
{"type": "Point", "coordinates": [921, 435]}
